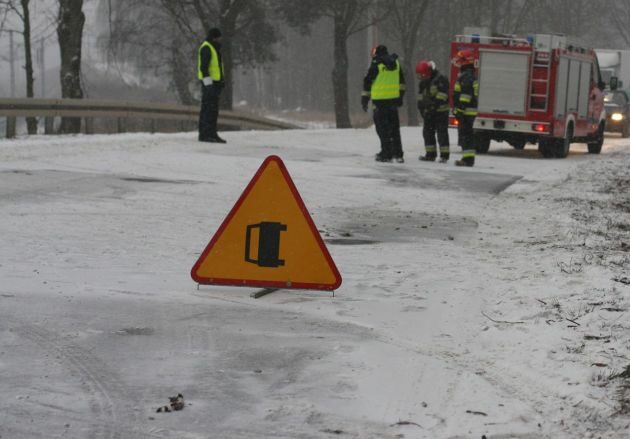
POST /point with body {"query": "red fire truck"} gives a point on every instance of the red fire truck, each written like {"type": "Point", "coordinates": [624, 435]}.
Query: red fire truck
{"type": "Point", "coordinates": [537, 89]}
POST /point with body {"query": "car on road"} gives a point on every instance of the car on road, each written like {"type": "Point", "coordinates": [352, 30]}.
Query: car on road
{"type": "Point", "coordinates": [617, 105]}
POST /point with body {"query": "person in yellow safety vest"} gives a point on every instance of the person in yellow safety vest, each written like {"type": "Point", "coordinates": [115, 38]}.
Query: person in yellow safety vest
{"type": "Point", "coordinates": [210, 73]}
{"type": "Point", "coordinates": [434, 108]}
{"type": "Point", "coordinates": [465, 95]}
{"type": "Point", "coordinates": [384, 84]}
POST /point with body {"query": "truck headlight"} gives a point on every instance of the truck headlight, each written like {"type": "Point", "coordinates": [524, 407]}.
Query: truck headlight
{"type": "Point", "coordinates": [617, 117]}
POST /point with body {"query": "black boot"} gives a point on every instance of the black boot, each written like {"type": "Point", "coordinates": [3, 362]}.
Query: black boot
{"type": "Point", "coordinates": [381, 158]}
{"type": "Point", "coordinates": [470, 162]}
{"type": "Point", "coordinates": [216, 139]}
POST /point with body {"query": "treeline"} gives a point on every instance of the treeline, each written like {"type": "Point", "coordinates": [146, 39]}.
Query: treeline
{"type": "Point", "coordinates": [416, 29]}
{"type": "Point", "coordinates": [301, 54]}
{"type": "Point", "coordinates": [68, 19]}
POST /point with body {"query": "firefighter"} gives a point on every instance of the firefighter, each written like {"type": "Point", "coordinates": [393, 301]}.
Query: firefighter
{"type": "Point", "coordinates": [434, 108]}
{"type": "Point", "coordinates": [210, 73]}
{"type": "Point", "coordinates": [465, 94]}
{"type": "Point", "coordinates": [384, 84]}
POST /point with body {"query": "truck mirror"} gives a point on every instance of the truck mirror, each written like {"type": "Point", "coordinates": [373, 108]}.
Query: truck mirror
{"type": "Point", "coordinates": [614, 83]}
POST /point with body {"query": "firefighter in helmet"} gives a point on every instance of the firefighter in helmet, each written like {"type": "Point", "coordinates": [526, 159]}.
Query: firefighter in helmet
{"type": "Point", "coordinates": [434, 108]}
{"type": "Point", "coordinates": [384, 84]}
{"type": "Point", "coordinates": [465, 94]}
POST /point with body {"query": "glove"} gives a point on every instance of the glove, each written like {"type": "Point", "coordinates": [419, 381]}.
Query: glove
{"type": "Point", "coordinates": [399, 101]}
{"type": "Point", "coordinates": [364, 102]}
{"type": "Point", "coordinates": [207, 81]}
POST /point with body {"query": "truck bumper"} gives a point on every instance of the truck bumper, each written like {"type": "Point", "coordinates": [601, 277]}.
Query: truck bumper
{"type": "Point", "coordinates": [512, 126]}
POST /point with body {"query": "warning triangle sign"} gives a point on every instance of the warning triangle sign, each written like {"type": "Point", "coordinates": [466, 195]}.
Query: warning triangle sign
{"type": "Point", "coordinates": [268, 239]}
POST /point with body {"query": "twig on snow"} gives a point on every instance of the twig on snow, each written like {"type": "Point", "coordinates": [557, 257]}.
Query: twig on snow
{"type": "Point", "coordinates": [406, 423]}
{"type": "Point", "coordinates": [596, 337]}
{"type": "Point", "coordinates": [473, 412]}
{"type": "Point", "coordinates": [498, 321]}
{"type": "Point", "coordinates": [623, 280]}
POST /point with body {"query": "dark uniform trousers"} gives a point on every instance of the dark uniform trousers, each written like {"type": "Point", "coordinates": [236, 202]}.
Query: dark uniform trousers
{"type": "Point", "coordinates": [436, 122]}
{"type": "Point", "coordinates": [209, 113]}
{"type": "Point", "coordinates": [388, 129]}
{"type": "Point", "coordinates": [465, 134]}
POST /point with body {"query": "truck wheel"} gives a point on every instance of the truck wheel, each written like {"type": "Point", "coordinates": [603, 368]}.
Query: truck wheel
{"type": "Point", "coordinates": [595, 147]}
{"type": "Point", "coordinates": [545, 146]}
{"type": "Point", "coordinates": [625, 131]}
{"type": "Point", "coordinates": [482, 142]}
{"type": "Point", "coordinates": [562, 146]}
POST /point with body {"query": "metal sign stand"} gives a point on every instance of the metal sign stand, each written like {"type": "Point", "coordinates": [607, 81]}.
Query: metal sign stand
{"type": "Point", "coordinates": [263, 292]}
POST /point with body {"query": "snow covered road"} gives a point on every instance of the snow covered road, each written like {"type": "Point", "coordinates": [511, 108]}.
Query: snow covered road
{"type": "Point", "coordinates": [467, 293]}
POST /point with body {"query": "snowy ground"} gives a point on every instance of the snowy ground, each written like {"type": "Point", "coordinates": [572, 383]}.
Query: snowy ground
{"type": "Point", "coordinates": [486, 301]}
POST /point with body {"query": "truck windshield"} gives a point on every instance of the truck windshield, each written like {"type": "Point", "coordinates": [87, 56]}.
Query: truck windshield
{"type": "Point", "coordinates": [615, 98]}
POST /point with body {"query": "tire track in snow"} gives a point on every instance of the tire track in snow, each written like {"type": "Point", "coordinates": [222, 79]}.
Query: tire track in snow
{"type": "Point", "coordinates": [114, 418]}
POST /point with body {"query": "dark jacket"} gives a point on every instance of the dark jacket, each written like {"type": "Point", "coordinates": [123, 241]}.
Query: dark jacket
{"type": "Point", "coordinates": [390, 63]}
{"type": "Point", "coordinates": [433, 94]}
{"type": "Point", "coordinates": [465, 92]}
{"type": "Point", "coordinates": [206, 56]}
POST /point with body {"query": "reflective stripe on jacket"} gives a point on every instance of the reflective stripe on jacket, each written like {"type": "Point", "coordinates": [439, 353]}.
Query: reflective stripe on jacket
{"type": "Point", "coordinates": [433, 94]}
{"type": "Point", "coordinates": [466, 93]}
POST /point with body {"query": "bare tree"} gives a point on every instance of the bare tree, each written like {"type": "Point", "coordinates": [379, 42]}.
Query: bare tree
{"type": "Point", "coordinates": [621, 18]}
{"type": "Point", "coordinates": [243, 23]}
{"type": "Point", "coordinates": [141, 38]}
{"type": "Point", "coordinates": [167, 33]}
{"type": "Point", "coordinates": [404, 25]}
{"type": "Point", "coordinates": [70, 34]}
{"type": "Point", "coordinates": [160, 38]}
{"type": "Point", "coordinates": [348, 17]}
{"type": "Point", "coordinates": [22, 10]}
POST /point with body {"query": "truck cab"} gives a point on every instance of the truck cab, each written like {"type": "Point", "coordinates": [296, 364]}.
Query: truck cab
{"type": "Point", "coordinates": [615, 67]}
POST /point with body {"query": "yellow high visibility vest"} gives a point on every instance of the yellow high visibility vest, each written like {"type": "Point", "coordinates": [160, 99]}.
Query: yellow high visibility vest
{"type": "Point", "coordinates": [387, 83]}
{"type": "Point", "coordinates": [216, 71]}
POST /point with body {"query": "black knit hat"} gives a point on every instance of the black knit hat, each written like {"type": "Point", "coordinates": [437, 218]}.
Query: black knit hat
{"type": "Point", "coordinates": [379, 50]}
{"type": "Point", "coordinates": [214, 33]}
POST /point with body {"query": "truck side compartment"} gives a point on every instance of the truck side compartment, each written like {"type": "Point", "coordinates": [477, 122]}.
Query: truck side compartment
{"type": "Point", "coordinates": [537, 89]}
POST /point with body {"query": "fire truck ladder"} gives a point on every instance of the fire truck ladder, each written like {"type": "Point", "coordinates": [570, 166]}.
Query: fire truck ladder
{"type": "Point", "coordinates": [539, 101]}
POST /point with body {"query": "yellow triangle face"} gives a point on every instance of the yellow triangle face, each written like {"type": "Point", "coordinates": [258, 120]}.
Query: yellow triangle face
{"type": "Point", "coordinates": [268, 239]}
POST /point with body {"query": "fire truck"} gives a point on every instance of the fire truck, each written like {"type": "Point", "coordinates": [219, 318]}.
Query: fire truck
{"type": "Point", "coordinates": [538, 89]}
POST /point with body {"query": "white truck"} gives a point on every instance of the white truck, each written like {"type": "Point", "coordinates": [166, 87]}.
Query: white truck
{"type": "Point", "coordinates": [614, 64]}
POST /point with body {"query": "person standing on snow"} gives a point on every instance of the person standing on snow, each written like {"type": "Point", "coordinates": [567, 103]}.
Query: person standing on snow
{"type": "Point", "coordinates": [384, 84]}
{"type": "Point", "coordinates": [465, 95]}
{"type": "Point", "coordinates": [210, 73]}
{"type": "Point", "coordinates": [434, 108]}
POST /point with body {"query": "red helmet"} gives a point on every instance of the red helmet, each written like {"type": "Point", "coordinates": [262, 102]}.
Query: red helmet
{"type": "Point", "coordinates": [424, 68]}
{"type": "Point", "coordinates": [464, 57]}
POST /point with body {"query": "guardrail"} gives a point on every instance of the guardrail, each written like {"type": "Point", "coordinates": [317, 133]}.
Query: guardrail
{"type": "Point", "coordinates": [89, 109]}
